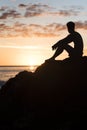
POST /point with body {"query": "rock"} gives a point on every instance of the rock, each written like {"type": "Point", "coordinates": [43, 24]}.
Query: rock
{"type": "Point", "coordinates": [54, 96]}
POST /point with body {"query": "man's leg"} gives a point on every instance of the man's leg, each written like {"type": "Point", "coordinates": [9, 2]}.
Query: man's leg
{"type": "Point", "coordinates": [70, 50]}
{"type": "Point", "coordinates": [59, 50]}
{"type": "Point", "coordinates": [57, 53]}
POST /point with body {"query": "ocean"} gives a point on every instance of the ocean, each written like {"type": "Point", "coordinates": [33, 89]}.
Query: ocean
{"type": "Point", "coordinates": [7, 72]}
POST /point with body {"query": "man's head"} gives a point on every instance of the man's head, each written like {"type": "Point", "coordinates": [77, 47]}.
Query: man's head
{"type": "Point", "coordinates": [71, 26]}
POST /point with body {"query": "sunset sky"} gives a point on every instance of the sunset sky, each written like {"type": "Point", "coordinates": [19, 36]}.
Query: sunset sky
{"type": "Point", "coordinates": [28, 28]}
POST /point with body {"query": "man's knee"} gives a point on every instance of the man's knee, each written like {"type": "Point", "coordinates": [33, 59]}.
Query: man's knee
{"type": "Point", "coordinates": [69, 49]}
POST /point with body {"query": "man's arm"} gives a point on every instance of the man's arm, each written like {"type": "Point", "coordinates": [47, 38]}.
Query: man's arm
{"type": "Point", "coordinates": [60, 43]}
{"type": "Point", "coordinates": [56, 45]}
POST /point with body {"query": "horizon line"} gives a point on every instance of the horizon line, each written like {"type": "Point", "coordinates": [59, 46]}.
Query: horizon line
{"type": "Point", "coordinates": [17, 65]}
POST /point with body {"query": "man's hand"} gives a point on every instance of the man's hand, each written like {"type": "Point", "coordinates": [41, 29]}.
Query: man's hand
{"type": "Point", "coordinates": [54, 47]}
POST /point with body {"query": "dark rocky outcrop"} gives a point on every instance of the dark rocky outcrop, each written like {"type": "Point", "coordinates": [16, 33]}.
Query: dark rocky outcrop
{"type": "Point", "coordinates": [53, 97]}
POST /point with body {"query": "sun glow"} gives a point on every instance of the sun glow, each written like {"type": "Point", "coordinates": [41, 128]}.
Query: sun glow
{"type": "Point", "coordinates": [32, 68]}
{"type": "Point", "coordinates": [32, 62]}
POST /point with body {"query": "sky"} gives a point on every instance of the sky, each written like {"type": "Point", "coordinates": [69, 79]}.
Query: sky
{"type": "Point", "coordinates": [29, 28]}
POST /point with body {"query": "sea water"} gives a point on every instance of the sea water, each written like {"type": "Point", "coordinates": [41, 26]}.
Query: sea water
{"type": "Point", "coordinates": [7, 72]}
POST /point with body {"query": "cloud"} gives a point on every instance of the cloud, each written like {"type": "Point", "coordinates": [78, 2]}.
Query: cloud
{"type": "Point", "coordinates": [36, 7]}
{"type": "Point", "coordinates": [15, 16]}
{"type": "Point", "coordinates": [81, 25]}
{"type": "Point", "coordinates": [37, 10]}
{"type": "Point", "coordinates": [3, 8]}
{"type": "Point", "coordinates": [22, 5]}
{"type": "Point", "coordinates": [65, 13]}
{"type": "Point", "coordinates": [13, 0]}
{"type": "Point", "coordinates": [10, 13]}
{"type": "Point", "coordinates": [33, 10]}
{"type": "Point", "coordinates": [23, 30]}
{"type": "Point", "coordinates": [40, 12]}
{"type": "Point", "coordinates": [76, 7]}
{"type": "Point", "coordinates": [32, 14]}
{"type": "Point", "coordinates": [30, 10]}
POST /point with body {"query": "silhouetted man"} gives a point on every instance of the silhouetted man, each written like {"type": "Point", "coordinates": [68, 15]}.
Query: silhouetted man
{"type": "Point", "coordinates": [75, 37]}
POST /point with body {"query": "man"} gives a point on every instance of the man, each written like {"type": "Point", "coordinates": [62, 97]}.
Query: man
{"type": "Point", "coordinates": [75, 37]}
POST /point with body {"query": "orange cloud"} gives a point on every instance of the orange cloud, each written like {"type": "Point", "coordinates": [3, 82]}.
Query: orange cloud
{"type": "Point", "coordinates": [30, 30]}
{"type": "Point", "coordinates": [24, 30]}
{"type": "Point", "coordinates": [17, 29]}
{"type": "Point", "coordinates": [81, 25]}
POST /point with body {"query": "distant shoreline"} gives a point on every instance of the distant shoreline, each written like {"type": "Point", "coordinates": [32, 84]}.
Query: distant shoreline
{"type": "Point", "coordinates": [7, 72]}
{"type": "Point", "coordinates": [18, 65]}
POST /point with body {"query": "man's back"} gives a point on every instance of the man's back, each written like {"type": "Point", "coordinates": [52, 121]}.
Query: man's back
{"type": "Point", "coordinates": [78, 42]}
